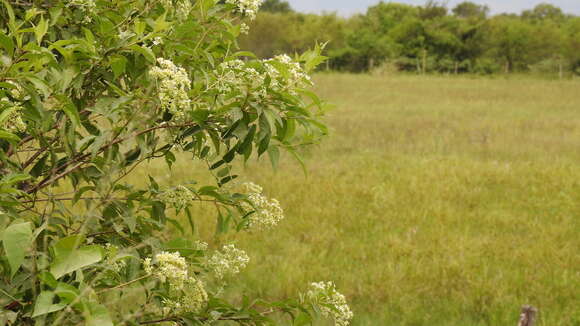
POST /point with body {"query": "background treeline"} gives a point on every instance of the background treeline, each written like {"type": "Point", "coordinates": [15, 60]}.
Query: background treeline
{"type": "Point", "coordinates": [428, 38]}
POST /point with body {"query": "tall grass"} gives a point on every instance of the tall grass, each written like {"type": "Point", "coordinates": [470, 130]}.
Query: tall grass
{"type": "Point", "coordinates": [435, 201]}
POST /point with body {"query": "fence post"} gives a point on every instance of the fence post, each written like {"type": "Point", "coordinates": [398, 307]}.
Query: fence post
{"type": "Point", "coordinates": [528, 316]}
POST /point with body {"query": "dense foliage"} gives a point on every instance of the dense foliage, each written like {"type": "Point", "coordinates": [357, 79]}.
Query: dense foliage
{"type": "Point", "coordinates": [428, 38]}
{"type": "Point", "coordinates": [89, 90]}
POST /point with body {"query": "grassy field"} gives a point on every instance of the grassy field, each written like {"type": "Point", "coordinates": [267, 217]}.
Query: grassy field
{"type": "Point", "coordinates": [435, 201]}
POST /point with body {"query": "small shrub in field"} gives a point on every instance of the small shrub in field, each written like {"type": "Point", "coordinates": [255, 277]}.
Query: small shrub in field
{"type": "Point", "coordinates": [91, 89]}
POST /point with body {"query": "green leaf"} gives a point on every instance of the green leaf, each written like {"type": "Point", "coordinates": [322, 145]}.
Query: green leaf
{"type": "Point", "coordinates": [144, 51]}
{"type": "Point", "coordinates": [161, 24]}
{"type": "Point", "coordinates": [44, 304]}
{"type": "Point", "coordinates": [9, 136]}
{"type": "Point", "coordinates": [298, 158]}
{"type": "Point", "coordinates": [226, 180]}
{"type": "Point", "coordinates": [190, 220]}
{"type": "Point", "coordinates": [97, 315]}
{"type": "Point", "coordinates": [17, 239]}
{"type": "Point", "coordinates": [48, 279]}
{"type": "Point", "coordinates": [302, 319]}
{"type": "Point", "coordinates": [139, 27]}
{"type": "Point", "coordinates": [248, 140]}
{"type": "Point", "coordinates": [244, 54]}
{"type": "Point", "coordinates": [185, 247]}
{"type": "Point", "coordinates": [68, 257]}
{"type": "Point", "coordinates": [118, 64]}
{"type": "Point", "coordinates": [10, 11]}
{"type": "Point", "coordinates": [274, 154]}
{"type": "Point", "coordinates": [15, 178]}
{"type": "Point", "coordinates": [7, 43]}
{"type": "Point", "coordinates": [40, 30]}
{"type": "Point", "coordinates": [67, 244]}
{"type": "Point", "coordinates": [264, 145]}
{"type": "Point", "coordinates": [66, 292]}
{"type": "Point", "coordinates": [8, 317]}
{"type": "Point", "coordinates": [231, 154]}
{"type": "Point", "coordinates": [224, 172]}
{"type": "Point", "coordinates": [38, 168]}
{"type": "Point", "coordinates": [217, 164]}
{"type": "Point", "coordinates": [40, 84]}
{"type": "Point", "coordinates": [72, 113]}
{"type": "Point", "coordinates": [31, 13]}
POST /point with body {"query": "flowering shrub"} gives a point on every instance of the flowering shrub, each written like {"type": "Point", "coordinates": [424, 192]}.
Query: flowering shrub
{"type": "Point", "coordinates": [265, 213]}
{"type": "Point", "coordinates": [89, 90]}
{"type": "Point", "coordinates": [331, 303]}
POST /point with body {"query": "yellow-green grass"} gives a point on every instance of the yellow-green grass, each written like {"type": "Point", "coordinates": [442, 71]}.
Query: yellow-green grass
{"type": "Point", "coordinates": [435, 201]}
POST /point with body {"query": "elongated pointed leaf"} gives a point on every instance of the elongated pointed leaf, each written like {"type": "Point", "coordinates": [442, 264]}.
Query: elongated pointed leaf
{"type": "Point", "coordinates": [17, 239]}
{"type": "Point", "coordinates": [68, 258]}
{"type": "Point", "coordinates": [44, 304]}
{"type": "Point", "coordinates": [98, 315]}
{"type": "Point", "coordinates": [9, 136]}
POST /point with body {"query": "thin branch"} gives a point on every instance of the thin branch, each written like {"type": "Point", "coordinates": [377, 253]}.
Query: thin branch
{"type": "Point", "coordinates": [79, 161]}
{"type": "Point", "coordinates": [37, 154]}
{"type": "Point", "coordinates": [151, 322]}
{"type": "Point", "coordinates": [8, 295]}
{"type": "Point", "coordinates": [98, 198]}
{"type": "Point", "coordinates": [29, 4]}
{"type": "Point", "coordinates": [231, 318]}
{"type": "Point", "coordinates": [125, 284]}
{"type": "Point", "coordinates": [69, 199]}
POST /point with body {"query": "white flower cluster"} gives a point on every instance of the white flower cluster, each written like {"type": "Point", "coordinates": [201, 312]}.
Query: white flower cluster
{"type": "Point", "coordinates": [13, 121]}
{"type": "Point", "coordinates": [188, 294]}
{"type": "Point", "coordinates": [324, 294]}
{"type": "Point", "coordinates": [244, 29]}
{"type": "Point", "coordinates": [158, 41]}
{"type": "Point", "coordinates": [193, 299]}
{"type": "Point", "coordinates": [182, 7]}
{"type": "Point", "coordinates": [234, 76]}
{"type": "Point", "coordinates": [267, 212]}
{"type": "Point", "coordinates": [174, 83]}
{"type": "Point", "coordinates": [89, 8]}
{"type": "Point", "coordinates": [228, 262]}
{"type": "Point", "coordinates": [111, 260]}
{"type": "Point", "coordinates": [247, 7]}
{"type": "Point", "coordinates": [290, 75]}
{"type": "Point", "coordinates": [284, 74]}
{"type": "Point", "coordinates": [200, 245]}
{"type": "Point", "coordinates": [179, 196]}
{"type": "Point", "coordinates": [171, 268]}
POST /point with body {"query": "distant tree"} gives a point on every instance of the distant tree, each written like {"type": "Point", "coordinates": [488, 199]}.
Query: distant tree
{"type": "Point", "coordinates": [511, 41]}
{"type": "Point", "coordinates": [433, 9]}
{"type": "Point", "coordinates": [425, 38]}
{"type": "Point", "coordinates": [544, 11]}
{"type": "Point", "coordinates": [572, 45]}
{"type": "Point", "coordinates": [411, 34]}
{"type": "Point", "coordinates": [369, 40]}
{"type": "Point", "coordinates": [276, 6]}
{"type": "Point", "coordinates": [468, 9]}
{"type": "Point", "coordinates": [384, 16]}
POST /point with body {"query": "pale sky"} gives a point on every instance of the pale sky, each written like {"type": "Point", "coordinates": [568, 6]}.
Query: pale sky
{"type": "Point", "coordinates": [348, 7]}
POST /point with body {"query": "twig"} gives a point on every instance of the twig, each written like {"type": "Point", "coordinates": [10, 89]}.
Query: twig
{"type": "Point", "coordinates": [68, 199]}
{"type": "Point", "coordinates": [125, 284]}
{"type": "Point", "coordinates": [8, 295]}
{"type": "Point", "coordinates": [79, 161]}
{"type": "Point", "coordinates": [232, 318]}
{"type": "Point", "coordinates": [150, 322]}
